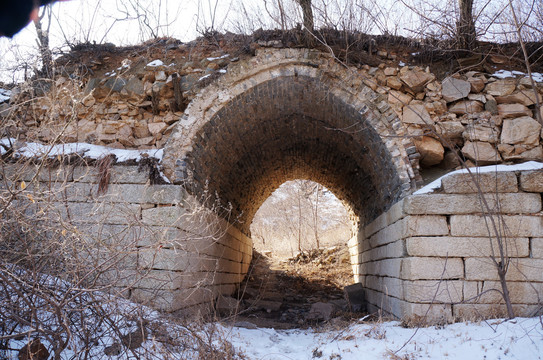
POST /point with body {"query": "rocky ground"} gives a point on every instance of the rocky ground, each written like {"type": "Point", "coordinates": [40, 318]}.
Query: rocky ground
{"type": "Point", "coordinates": [299, 292]}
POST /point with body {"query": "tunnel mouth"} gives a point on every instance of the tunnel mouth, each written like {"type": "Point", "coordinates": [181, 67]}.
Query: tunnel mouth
{"type": "Point", "coordinates": [301, 259]}
{"type": "Point", "coordinates": [287, 128]}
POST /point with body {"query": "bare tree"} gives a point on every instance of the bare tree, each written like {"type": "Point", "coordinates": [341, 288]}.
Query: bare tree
{"type": "Point", "coordinates": [465, 26]}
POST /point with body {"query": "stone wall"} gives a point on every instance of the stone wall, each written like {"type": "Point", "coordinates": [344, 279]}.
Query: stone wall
{"type": "Point", "coordinates": [482, 117]}
{"type": "Point", "coordinates": [155, 244]}
{"type": "Point", "coordinates": [437, 249]}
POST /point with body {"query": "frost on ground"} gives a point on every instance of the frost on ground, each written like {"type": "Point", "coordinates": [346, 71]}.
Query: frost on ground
{"type": "Point", "coordinates": [521, 338]}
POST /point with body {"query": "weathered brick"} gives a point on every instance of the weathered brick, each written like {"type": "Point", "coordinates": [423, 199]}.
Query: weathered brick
{"type": "Point", "coordinates": [387, 285]}
{"type": "Point", "coordinates": [531, 181]}
{"type": "Point", "coordinates": [507, 225]}
{"type": "Point", "coordinates": [449, 246]}
{"type": "Point", "coordinates": [429, 268]}
{"type": "Point", "coordinates": [488, 182]}
{"type": "Point", "coordinates": [166, 259]}
{"type": "Point", "coordinates": [519, 292]}
{"type": "Point", "coordinates": [508, 203]}
{"type": "Point", "coordinates": [478, 311]}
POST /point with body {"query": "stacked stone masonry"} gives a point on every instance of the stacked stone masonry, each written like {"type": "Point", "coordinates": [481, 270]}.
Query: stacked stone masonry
{"type": "Point", "coordinates": [432, 254]}
{"type": "Point", "coordinates": [160, 245]}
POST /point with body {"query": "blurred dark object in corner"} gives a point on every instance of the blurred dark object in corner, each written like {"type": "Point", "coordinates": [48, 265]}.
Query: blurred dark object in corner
{"type": "Point", "coordinates": [16, 14]}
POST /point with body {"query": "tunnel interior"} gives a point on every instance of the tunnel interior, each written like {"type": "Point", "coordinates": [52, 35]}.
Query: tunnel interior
{"type": "Point", "coordinates": [291, 127]}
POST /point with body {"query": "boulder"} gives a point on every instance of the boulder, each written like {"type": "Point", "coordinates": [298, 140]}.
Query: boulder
{"type": "Point", "coordinates": [321, 311]}
{"type": "Point", "coordinates": [466, 107]}
{"type": "Point", "coordinates": [513, 110]}
{"type": "Point", "coordinates": [501, 87]}
{"type": "Point", "coordinates": [454, 89]}
{"type": "Point", "coordinates": [481, 132]}
{"type": "Point", "coordinates": [523, 130]}
{"type": "Point", "coordinates": [355, 296]}
{"type": "Point", "coordinates": [481, 153]}
{"type": "Point", "coordinates": [431, 151]}
{"type": "Point", "coordinates": [416, 113]}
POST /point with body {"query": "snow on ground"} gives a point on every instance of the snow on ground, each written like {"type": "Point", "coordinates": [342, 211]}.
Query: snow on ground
{"type": "Point", "coordinates": [502, 74]}
{"type": "Point", "coordinates": [521, 338]}
{"type": "Point", "coordinates": [436, 184]}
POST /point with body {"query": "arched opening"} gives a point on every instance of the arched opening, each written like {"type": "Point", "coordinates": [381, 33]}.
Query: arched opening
{"type": "Point", "coordinates": [300, 216]}
{"type": "Point", "coordinates": [300, 237]}
{"type": "Point", "coordinates": [266, 123]}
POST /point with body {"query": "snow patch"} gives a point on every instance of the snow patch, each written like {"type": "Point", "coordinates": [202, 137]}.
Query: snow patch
{"type": "Point", "coordinates": [217, 58]}
{"type": "Point", "coordinates": [204, 77]}
{"type": "Point", "coordinates": [436, 184]}
{"type": "Point", "coordinates": [503, 74]}
{"type": "Point", "coordinates": [155, 63]}
{"type": "Point", "coordinates": [5, 94]}
{"type": "Point", "coordinates": [521, 338]}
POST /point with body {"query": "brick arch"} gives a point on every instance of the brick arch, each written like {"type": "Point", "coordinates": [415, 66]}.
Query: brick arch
{"type": "Point", "coordinates": [288, 114]}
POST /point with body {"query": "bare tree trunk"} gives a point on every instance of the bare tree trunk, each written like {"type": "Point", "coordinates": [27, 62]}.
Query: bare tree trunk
{"type": "Point", "coordinates": [308, 20]}
{"type": "Point", "coordinates": [465, 26]}
{"type": "Point", "coordinates": [43, 42]}
{"type": "Point", "coordinates": [316, 217]}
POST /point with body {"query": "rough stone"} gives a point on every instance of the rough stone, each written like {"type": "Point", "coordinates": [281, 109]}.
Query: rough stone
{"type": "Point", "coordinates": [398, 97]}
{"type": "Point", "coordinates": [416, 114]}
{"type": "Point", "coordinates": [523, 130]}
{"type": "Point", "coordinates": [431, 151]}
{"type": "Point", "coordinates": [520, 152]}
{"type": "Point", "coordinates": [454, 89]}
{"type": "Point", "coordinates": [525, 97]}
{"type": "Point", "coordinates": [356, 297]}
{"type": "Point", "coordinates": [501, 87]}
{"type": "Point", "coordinates": [451, 129]}
{"type": "Point", "coordinates": [466, 107]}
{"type": "Point", "coordinates": [394, 83]}
{"type": "Point", "coordinates": [477, 84]}
{"type": "Point", "coordinates": [513, 110]}
{"type": "Point", "coordinates": [321, 311]}
{"type": "Point", "coordinates": [482, 153]}
{"type": "Point", "coordinates": [481, 132]}
{"type": "Point", "coordinates": [415, 80]}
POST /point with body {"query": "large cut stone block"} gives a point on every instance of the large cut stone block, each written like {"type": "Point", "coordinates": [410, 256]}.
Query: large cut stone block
{"type": "Point", "coordinates": [516, 203]}
{"type": "Point", "coordinates": [488, 182]}
{"type": "Point", "coordinates": [120, 174]}
{"type": "Point", "coordinates": [429, 268]}
{"type": "Point", "coordinates": [531, 181]}
{"type": "Point", "coordinates": [506, 225]}
{"type": "Point", "coordinates": [525, 269]}
{"type": "Point", "coordinates": [449, 246]}
{"type": "Point", "coordinates": [433, 291]}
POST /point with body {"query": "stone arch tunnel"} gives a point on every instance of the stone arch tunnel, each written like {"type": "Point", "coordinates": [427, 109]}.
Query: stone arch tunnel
{"type": "Point", "coordinates": [291, 120]}
{"type": "Point", "coordinates": [297, 113]}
